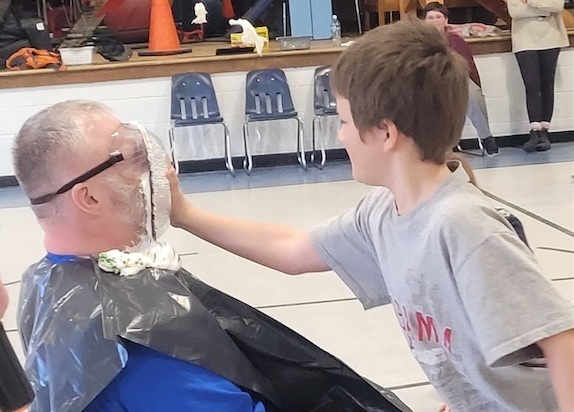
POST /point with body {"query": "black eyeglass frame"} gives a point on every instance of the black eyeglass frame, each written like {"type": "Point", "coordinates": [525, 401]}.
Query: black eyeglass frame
{"type": "Point", "coordinates": [115, 157]}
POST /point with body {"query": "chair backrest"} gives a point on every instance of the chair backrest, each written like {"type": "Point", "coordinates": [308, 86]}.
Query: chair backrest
{"type": "Point", "coordinates": [325, 102]}
{"type": "Point", "coordinates": [193, 99]}
{"type": "Point", "coordinates": [267, 95]}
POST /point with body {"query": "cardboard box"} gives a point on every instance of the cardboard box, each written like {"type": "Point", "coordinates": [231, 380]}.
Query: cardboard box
{"type": "Point", "coordinates": [237, 38]}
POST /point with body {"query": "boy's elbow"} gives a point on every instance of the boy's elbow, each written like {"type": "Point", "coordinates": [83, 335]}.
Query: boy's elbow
{"type": "Point", "coordinates": [294, 269]}
{"type": "Point", "coordinates": [292, 272]}
{"type": "Point", "coordinates": [301, 257]}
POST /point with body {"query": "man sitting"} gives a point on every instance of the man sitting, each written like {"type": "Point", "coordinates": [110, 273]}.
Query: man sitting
{"type": "Point", "coordinates": [109, 320]}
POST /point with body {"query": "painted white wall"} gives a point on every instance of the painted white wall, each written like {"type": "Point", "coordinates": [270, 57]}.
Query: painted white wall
{"type": "Point", "coordinates": [149, 101]}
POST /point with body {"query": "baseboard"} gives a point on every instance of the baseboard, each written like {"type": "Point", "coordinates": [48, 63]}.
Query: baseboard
{"type": "Point", "coordinates": [7, 181]}
{"type": "Point", "coordinates": [270, 160]}
{"type": "Point", "coordinates": [519, 140]}
{"type": "Point", "coordinates": [283, 159]}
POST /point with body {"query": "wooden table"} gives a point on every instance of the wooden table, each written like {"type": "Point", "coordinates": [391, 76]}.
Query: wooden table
{"type": "Point", "coordinates": [203, 59]}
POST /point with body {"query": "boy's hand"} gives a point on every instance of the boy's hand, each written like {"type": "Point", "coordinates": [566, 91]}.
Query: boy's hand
{"type": "Point", "coordinates": [444, 408]}
{"type": "Point", "coordinates": [179, 204]}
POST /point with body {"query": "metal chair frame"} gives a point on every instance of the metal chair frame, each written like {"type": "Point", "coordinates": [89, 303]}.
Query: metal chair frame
{"type": "Point", "coordinates": [268, 98]}
{"type": "Point", "coordinates": [200, 115]}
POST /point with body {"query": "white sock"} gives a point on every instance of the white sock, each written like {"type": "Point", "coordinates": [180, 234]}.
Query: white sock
{"type": "Point", "coordinates": [536, 126]}
{"type": "Point", "coordinates": [545, 125]}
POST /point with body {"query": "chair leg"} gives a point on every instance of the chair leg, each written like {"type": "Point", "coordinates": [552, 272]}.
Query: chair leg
{"type": "Point", "coordinates": [301, 144]}
{"type": "Point", "coordinates": [481, 152]}
{"type": "Point", "coordinates": [228, 161]}
{"type": "Point", "coordinates": [322, 145]}
{"type": "Point", "coordinates": [481, 147]}
{"type": "Point", "coordinates": [318, 136]}
{"type": "Point", "coordinates": [248, 160]}
{"type": "Point", "coordinates": [172, 149]}
{"type": "Point", "coordinates": [358, 11]}
{"type": "Point", "coordinates": [313, 132]}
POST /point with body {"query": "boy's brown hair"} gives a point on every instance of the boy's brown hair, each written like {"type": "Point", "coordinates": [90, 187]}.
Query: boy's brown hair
{"type": "Point", "coordinates": [406, 73]}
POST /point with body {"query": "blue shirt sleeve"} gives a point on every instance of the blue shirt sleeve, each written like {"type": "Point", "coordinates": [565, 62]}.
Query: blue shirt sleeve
{"type": "Point", "coordinates": [152, 382]}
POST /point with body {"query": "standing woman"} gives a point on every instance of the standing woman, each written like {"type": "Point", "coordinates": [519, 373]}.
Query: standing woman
{"type": "Point", "coordinates": [538, 33]}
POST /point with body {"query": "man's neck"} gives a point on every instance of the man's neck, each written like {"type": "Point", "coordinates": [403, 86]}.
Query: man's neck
{"type": "Point", "coordinates": [60, 240]}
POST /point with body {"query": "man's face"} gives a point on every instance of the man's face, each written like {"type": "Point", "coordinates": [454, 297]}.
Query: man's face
{"type": "Point", "coordinates": [437, 19]}
{"type": "Point", "coordinates": [123, 201]}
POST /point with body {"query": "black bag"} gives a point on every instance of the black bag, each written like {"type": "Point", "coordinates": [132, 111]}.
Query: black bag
{"type": "Point", "coordinates": [516, 224]}
{"type": "Point", "coordinates": [16, 34]}
{"type": "Point", "coordinates": [12, 36]}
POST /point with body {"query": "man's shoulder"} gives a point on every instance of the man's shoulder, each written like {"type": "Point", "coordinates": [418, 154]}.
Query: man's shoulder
{"type": "Point", "coordinates": [31, 271]}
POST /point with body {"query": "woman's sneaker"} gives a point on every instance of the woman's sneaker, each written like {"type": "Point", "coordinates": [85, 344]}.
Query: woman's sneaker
{"type": "Point", "coordinates": [544, 142]}
{"type": "Point", "coordinates": [532, 143]}
{"type": "Point", "coordinates": [490, 146]}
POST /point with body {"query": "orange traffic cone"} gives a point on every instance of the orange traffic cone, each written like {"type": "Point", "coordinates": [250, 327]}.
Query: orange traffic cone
{"type": "Point", "coordinates": [163, 38]}
{"type": "Point", "coordinates": [227, 9]}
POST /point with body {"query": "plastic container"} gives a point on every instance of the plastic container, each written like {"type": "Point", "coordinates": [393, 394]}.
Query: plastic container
{"type": "Point", "coordinates": [294, 42]}
{"type": "Point", "coordinates": [336, 30]}
{"type": "Point", "coordinates": [77, 55]}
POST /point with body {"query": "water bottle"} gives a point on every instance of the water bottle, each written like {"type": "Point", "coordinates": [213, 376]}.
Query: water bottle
{"type": "Point", "coordinates": [336, 31]}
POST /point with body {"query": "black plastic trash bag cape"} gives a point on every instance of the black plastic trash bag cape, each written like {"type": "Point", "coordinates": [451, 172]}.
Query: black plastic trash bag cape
{"type": "Point", "coordinates": [72, 316]}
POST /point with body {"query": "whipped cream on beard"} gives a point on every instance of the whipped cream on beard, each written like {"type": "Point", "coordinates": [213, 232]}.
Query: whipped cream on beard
{"type": "Point", "coordinates": [158, 255]}
{"type": "Point", "coordinates": [155, 197]}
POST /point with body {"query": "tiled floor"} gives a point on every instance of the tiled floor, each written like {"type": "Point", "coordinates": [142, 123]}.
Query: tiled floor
{"type": "Point", "coordinates": [536, 187]}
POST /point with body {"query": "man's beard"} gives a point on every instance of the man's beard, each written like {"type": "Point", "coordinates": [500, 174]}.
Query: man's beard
{"type": "Point", "coordinates": [130, 201]}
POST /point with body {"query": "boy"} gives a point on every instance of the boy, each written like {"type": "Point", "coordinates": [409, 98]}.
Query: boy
{"type": "Point", "coordinates": [467, 292]}
{"type": "Point", "coordinates": [437, 14]}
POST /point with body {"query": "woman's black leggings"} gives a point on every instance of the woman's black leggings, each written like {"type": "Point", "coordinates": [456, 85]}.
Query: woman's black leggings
{"type": "Point", "coordinates": [538, 69]}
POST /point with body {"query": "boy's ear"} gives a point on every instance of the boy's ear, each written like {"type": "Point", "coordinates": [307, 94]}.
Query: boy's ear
{"type": "Point", "coordinates": [388, 127]}
{"type": "Point", "coordinates": [391, 134]}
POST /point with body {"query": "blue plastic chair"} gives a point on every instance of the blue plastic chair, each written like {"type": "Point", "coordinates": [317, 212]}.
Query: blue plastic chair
{"type": "Point", "coordinates": [194, 103]}
{"type": "Point", "coordinates": [268, 98]}
{"type": "Point", "coordinates": [324, 105]}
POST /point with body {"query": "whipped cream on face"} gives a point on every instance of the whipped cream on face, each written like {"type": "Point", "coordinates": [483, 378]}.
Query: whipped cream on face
{"type": "Point", "coordinates": [147, 252]}
{"type": "Point", "coordinates": [158, 255]}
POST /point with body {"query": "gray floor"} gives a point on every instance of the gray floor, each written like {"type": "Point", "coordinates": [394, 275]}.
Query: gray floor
{"type": "Point", "coordinates": [536, 187]}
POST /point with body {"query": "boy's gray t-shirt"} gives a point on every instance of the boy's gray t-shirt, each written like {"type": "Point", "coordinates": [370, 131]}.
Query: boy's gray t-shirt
{"type": "Point", "coordinates": [468, 293]}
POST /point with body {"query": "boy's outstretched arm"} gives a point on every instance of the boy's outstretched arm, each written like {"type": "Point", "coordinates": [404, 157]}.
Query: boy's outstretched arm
{"type": "Point", "coordinates": [282, 248]}
{"type": "Point", "coordinates": [559, 353]}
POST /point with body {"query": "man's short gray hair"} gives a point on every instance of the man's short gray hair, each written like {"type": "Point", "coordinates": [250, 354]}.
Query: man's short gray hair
{"type": "Point", "coordinates": [47, 140]}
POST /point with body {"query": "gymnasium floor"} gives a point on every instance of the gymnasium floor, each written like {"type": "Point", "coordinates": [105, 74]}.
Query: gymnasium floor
{"type": "Point", "coordinates": [536, 187]}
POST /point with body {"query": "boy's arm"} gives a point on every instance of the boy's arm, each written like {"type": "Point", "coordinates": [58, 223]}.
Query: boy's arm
{"type": "Point", "coordinates": [282, 248]}
{"type": "Point", "coordinates": [559, 353]}
{"type": "Point", "coordinates": [551, 6]}
{"type": "Point", "coordinates": [462, 48]}
{"type": "Point", "coordinates": [519, 10]}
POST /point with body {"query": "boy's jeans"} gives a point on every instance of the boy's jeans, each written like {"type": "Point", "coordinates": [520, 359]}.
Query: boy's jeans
{"type": "Point", "coordinates": [476, 110]}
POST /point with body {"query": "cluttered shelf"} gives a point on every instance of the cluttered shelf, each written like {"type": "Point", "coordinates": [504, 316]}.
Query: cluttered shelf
{"type": "Point", "coordinates": [203, 59]}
